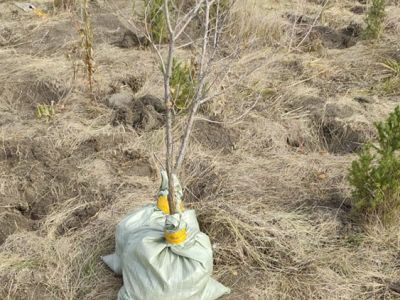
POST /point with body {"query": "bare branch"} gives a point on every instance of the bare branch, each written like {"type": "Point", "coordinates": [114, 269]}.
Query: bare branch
{"type": "Point", "coordinates": [150, 40]}
{"type": "Point", "coordinates": [168, 19]}
{"type": "Point", "coordinates": [181, 26]}
{"type": "Point", "coordinates": [159, 161]}
{"type": "Point", "coordinates": [236, 121]}
{"type": "Point", "coordinates": [196, 100]}
{"type": "Point", "coordinates": [176, 24]}
{"type": "Point", "coordinates": [210, 97]}
{"type": "Point", "coordinates": [186, 136]}
{"type": "Point", "coordinates": [313, 24]}
{"type": "Point", "coordinates": [220, 20]}
{"type": "Point", "coordinates": [146, 32]}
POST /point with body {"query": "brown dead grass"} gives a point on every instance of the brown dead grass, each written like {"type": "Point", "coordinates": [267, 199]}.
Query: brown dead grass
{"type": "Point", "coordinates": [269, 188]}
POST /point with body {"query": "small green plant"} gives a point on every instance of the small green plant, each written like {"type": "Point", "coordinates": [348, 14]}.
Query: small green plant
{"type": "Point", "coordinates": [182, 83]}
{"type": "Point", "coordinates": [375, 176]}
{"type": "Point", "coordinates": [374, 20]}
{"type": "Point", "coordinates": [44, 111]}
{"type": "Point", "coordinates": [393, 65]}
{"type": "Point", "coordinates": [391, 84]}
{"type": "Point", "coordinates": [156, 21]}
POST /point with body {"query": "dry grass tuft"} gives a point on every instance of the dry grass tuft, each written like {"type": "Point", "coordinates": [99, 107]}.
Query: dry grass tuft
{"type": "Point", "coordinates": [259, 23]}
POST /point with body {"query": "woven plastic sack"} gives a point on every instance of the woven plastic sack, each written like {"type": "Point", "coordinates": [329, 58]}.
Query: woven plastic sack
{"type": "Point", "coordinates": [148, 214]}
{"type": "Point", "coordinates": [178, 265]}
{"type": "Point", "coordinates": [144, 216]}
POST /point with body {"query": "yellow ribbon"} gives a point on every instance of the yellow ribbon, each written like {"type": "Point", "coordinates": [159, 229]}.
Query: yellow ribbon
{"type": "Point", "coordinates": [175, 237]}
{"type": "Point", "coordinates": [162, 204]}
{"type": "Point", "coordinates": [39, 12]}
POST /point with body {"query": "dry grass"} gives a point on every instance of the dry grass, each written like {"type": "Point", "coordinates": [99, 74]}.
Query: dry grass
{"type": "Point", "coordinates": [270, 190]}
{"type": "Point", "coordinates": [259, 23]}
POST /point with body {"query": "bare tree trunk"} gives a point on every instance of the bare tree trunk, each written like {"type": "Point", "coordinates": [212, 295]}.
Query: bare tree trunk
{"type": "Point", "coordinates": [174, 32]}
{"type": "Point", "coordinates": [169, 114]}
{"type": "Point", "coordinates": [176, 27]}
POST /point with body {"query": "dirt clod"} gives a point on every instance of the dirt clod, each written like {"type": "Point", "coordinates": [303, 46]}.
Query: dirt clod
{"type": "Point", "coordinates": [152, 101]}
{"type": "Point", "coordinates": [134, 82]}
{"type": "Point", "coordinates": [332, 39]}
{"type": "Point", "coordinates": [131, 40]}
{"type": "Point", "coordinates": [122, 116]}
{"type": "Point", "coordinates": [145, 113]}
{"type": "Point", "coordinates": [146, 117]}
{"type": "Point", "coordinates": [353, 30]}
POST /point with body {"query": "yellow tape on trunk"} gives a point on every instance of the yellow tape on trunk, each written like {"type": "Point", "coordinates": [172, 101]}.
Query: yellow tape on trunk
{"type": "Point", "coordinates": [162, 204]}
{"type": "Point", "coordinates": [176, 237]}
{"type": "Point", "coordinates": [39, 12]}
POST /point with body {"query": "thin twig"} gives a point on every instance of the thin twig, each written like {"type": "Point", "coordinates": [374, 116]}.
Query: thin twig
{"type": "Point", "coordinates": [197, 98]}
{"type": "Point", "coordinates": [313, 24]}
{"type": "Point", "coordinates": [159, 161]}
{"type": "Point", "coordinates": [188, 18]}
{"type": "Point", "coordinates": [212, 96]}
{"type": "Point", "coordinates": [234, 122]}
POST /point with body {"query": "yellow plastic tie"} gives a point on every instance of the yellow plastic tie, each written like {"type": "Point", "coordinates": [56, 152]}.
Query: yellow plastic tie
{"type": "Point", "coordinates": [162, 204]}
{"type": "Point", "coordinates": [175, 237]}
{"type": "Point", "coordinates": [39, 12]}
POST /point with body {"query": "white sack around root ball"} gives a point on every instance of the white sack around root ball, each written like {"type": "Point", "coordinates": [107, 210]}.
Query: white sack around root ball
{"type": "Point", "coordinates": [154, 269]}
